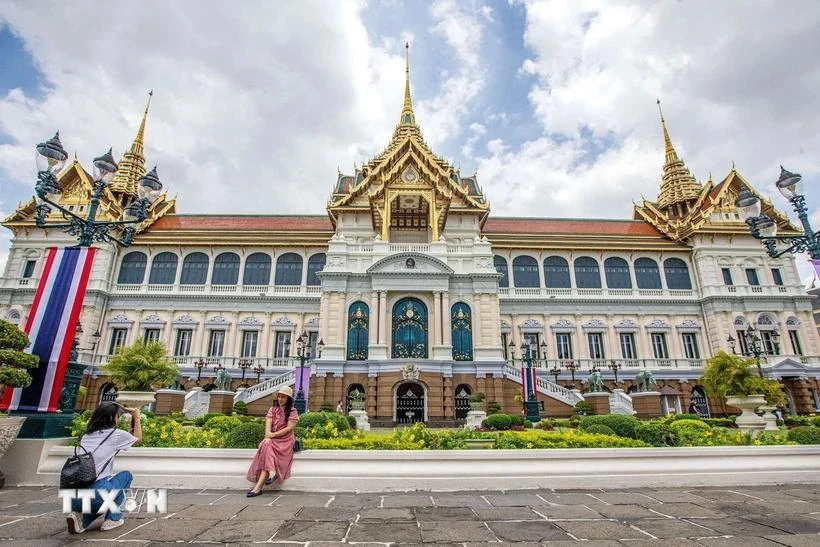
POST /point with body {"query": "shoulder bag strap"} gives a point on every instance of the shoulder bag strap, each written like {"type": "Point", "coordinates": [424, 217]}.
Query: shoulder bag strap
{"type": "Point", "coordinates": [96, 447]}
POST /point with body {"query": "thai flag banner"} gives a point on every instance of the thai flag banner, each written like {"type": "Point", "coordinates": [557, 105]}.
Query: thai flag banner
{"type": "Point", "coordinates": [52, 321]}
{"type": "Point", "coordinates": [527, 382]}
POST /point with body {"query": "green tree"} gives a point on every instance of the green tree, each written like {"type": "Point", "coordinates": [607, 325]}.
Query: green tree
{"type": "Point", "coordinates": [13, 362]}
{"type": "Point", "coordinates": [731, 375]}
{"type": "Point", "coordinates": [141, 366]}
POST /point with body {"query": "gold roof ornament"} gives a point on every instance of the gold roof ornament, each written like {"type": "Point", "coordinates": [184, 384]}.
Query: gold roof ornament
{"type": "Point", "coordinates": [678, 187]}
{"type": "Point", "coordinates": [407, 115]}
{"type": "Point", "coordinates": [132, 164]}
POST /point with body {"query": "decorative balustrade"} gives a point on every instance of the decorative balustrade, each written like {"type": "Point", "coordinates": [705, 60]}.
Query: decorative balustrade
{"type": "Point", "coordinates": [541, 292]}
{"type": "Point", "coordinates": [263, 389]}
{"type": "Point", "coordinates": [546, 387]}
{"type": "Point", "coordinates": [620, 403]}
{"type": "Point", "coordinates": [256, 290]}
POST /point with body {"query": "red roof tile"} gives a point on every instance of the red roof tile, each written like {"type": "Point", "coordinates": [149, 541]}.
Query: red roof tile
{"type": "Point", "coordinates": [241, 222]}
{"type": "Point", "coordinates": [500, 225]}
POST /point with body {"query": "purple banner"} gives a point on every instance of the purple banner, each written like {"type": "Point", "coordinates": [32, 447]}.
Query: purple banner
{"type": "Point", "coordinates": [816, 264]}
{"type": "Point", "coordinates": [302, 377]}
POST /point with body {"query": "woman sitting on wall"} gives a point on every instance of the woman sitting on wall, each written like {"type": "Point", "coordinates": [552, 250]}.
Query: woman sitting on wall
{"type": "Point", "coordinates": [274, 456]}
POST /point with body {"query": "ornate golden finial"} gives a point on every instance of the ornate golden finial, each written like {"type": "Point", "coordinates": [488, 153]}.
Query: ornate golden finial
{"type": "Point", "coordinates": [407, 115]}
{"type": "Point", "coordinates": [671, 155]}
{"type": "Point", "coordinates": [141, 131]}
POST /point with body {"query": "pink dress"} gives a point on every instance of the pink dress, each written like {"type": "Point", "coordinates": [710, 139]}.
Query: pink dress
{"type": "Point", "coordinates": [276, 455]}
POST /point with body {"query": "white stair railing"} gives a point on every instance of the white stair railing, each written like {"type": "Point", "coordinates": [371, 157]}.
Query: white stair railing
{"type": "Point", "coordinates": [196, 403]}
{"type": "Point", "coordinates": [546, 387]}
{"type": "Point", "coordinates": [262, 389]}
{"type": "Point", "coordinates": [620, 403]}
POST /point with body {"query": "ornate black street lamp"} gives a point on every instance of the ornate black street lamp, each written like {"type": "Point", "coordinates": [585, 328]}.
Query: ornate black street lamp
{"type": "Point", "coordinates": [765, 229]}
{"type": "Point", "coordinates": [571, 366]}
{"type": "Point", "coordinates": [50, 159]}
{"type": "Point", "coordinates": [531, 404]}
{"type": "Point", "coordinates": [202, 363]}
{"type": "Point", "coordinates": [303, 351]}
{"type": "Point", "coordinates": [244, 364]}
{"type": "Point", "coordinates": [555, 371]}
{"type": "Point", "coordinates": [258, 369]}
{"type": "Point", "coordinates": [614, 367]}
{"type": "Point", "coordinates": [753, 346]}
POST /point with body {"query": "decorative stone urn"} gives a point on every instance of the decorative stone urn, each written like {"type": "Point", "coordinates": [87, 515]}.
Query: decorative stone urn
{"type": "Point", "coordinates": [748, 421]}
{"type": "Point", "coordinates": [474, 419]}
{"type": "Point", "coordinates": [135, 399]}
{"type": "Point", "coordinates": [9, 428]}
{"type": "Point", "coordinates": [770, 418]}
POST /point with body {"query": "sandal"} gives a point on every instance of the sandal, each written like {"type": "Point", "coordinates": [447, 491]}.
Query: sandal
{"type": "Point", "coordinates": [252, 494]}
{"type": "Point", "coordinates": [270, 481]}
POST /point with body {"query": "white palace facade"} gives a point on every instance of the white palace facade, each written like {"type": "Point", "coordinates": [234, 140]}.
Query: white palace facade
{"type": "Point", "coordinates": [418, 293]}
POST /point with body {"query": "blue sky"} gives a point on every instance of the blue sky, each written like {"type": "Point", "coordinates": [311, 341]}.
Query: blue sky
{"type": "Point", "coordinates": [553, 103]}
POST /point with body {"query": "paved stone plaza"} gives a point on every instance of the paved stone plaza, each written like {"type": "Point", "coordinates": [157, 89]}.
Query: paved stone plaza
{"type": "Point", "coordinates": [785, 515]}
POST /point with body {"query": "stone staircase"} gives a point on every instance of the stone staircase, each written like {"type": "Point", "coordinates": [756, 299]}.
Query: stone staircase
{"type": "Point", "coordinates": [620, 403]}
{"type": "Point", "coordinates": [196, 403]}
{"type": "Point", "coordinates": [546, 387]}
{"type": "Point", "coordinates": [264, 389]}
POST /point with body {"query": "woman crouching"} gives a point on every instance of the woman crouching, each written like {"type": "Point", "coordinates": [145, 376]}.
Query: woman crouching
{"type": "Point", "coordinates": [274, 456]}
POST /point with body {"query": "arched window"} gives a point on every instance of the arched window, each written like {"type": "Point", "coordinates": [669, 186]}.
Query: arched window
{"type": "Point", "coordinates": [461, 324]}
{"type": "Point", "coordinates": [316, 263]}
{"type": "Point", "coordinates": [677, 274]}
{"type": "Point", "coordinates": [500, 264]}
{"type": "Point", "coordinates": [226, 269]}
{"type": "Point", "coordinates": [647, 274]}
{"type": "Point", "coordinates": [132, 268]}
{"type": "Point", "coordinates": [409, 329]}
{"type": "Point", "coordinates": [462, 400]}
{"type": "Point", "coordinates": [257, 269]}
{"type": "Point", "coordinates": [525, 272]}
{"type": "Point", "coordinates": [587, 273]}
{"type": "Point", "coordinates": [617, 273]}
{"type": "Point", "coordinates": [556, 273]}
{"type": "Point", "coordinates": [163, 269]}
{"type": "Point", "coordinates": [357, 321]}
{"type": "Point", "coordinates": [194, 269]}
{"type": "Point", "coordinates": [288, 269]}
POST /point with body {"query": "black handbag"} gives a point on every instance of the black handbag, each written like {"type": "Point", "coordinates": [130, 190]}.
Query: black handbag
{"type": "Point", "coordinates": [79, 470]}
{"type": "Point", "coordinates": [297, 445]}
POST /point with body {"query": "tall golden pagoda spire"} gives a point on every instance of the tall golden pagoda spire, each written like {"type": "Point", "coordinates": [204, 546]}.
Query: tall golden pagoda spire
{"type": "Point", "coordinates": [132, 164]}
{"type": "Point", "coordinates": [408, 117]}
{"type": "Point", "coordinates": [679, 189]}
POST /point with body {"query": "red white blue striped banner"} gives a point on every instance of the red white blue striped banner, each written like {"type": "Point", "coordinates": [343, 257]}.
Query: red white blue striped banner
{"type": "Point", "coordinates": [528, 383]}
{"type": "Point", "coordinates": [52, 321]}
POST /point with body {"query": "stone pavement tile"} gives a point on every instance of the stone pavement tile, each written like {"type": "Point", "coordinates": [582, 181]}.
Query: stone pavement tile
{"type": "Point", "coordinates": [209, 512]}
{"type": "Point", "coordinates": [796, 540]}
{"type": "Point", "coordinates": [6, 519]}
{"type": "Point", "coordinates": [672, 528]}
{"type": "Point", "coordinates": [686, 510]}
{"type": "Point", "coordinates": [590, 543]}
{"type": "Point", "coordinates": [626, 511]}
{"type": "Point", "coordinates": [303, 530]}
{"type": "Point", "coordinates": [527, 531]}
{"type": "Point", "coordinates": [341, 544]}
{"type": "Point", "coordinates": [32, 509]}
{"type": "Point", "coordinates": [670, 496]}
{"type": "Point", "coordinates": [234, 531]}
{"type": "Point", "coordinates": [407, 500]}
{"type": "Point", "coordinates": [199, 499]}
{"type": "Point", "coordinates": [444, 513]}
{"type": "Point", "coordinates": [327, 514]}
{"type": "Point", "coordinates": [455, 531]}
{"type": "Point", "coordinates": [302, 500]}
{"type": "Point", "coordinates": [35, 528]}
{"type": "Point", "coordinates": [805, 493]}
{"type": "Point", "coordinates": [599, 529]}
{"type": "Point", "coordinates": [169, 529]}
{"type": "Point", "coordinates": [737, 541]}
{"type": "Point", "coordinates": [96, 534]}
{"type": "Point", "coordinates": [484, 544]}
{"type": "Point", "coordinates": [625, 498]}
{"type": "Point", "coordinates": [725, 495]}
{"type": "Point", "coordinates": [266, 512]}
{"type": "Point", "coordinates": [799, 507]}
{"type": "Point", "coordinates": [390, 514]}
{"type": "Point", "coordinates": [793, 524]}
{"type": "Point", "coordinates": [506, 513]}
{"type": "Point", "coordinates": [568, 499]}
{"type": "Point", "coordinates": [446, 500]}
{"type": "Point", "coordinates": [514, 500]}
{"type": "Point", "coordinates": [242, 499]}
{"type": "Point", "coordinates": [383, 532]}
{"type": "Point", "coordinates": [566, 512]}
{"type": "Point", "coordinates": [352, 500]}
{"type": "Point", "coordinates": [665, 542]}
{"type": "Point", "coordinates": [18, 496]}
{"type": "Point", "coordinates": [734, 526]}
{"type": "Point", "coordinates": [38, 543]}
{"type": "Point", "coordinates": [770, 493]}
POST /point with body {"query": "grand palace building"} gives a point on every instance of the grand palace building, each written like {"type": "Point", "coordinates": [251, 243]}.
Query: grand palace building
{"type": "Point", "coordinates": [421, 297]}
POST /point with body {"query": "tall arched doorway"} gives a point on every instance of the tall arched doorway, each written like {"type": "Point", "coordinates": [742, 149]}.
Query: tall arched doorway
{"type": "Point", "coordinates": [700, 401]}
{"type": "Point", "coordinates": [409, 329]}
{"type": "Point", "coordinates": [108, 393]}
{"type": "Point", "coordinates": [410, 404]}
{"type": "Point", "coordinates": [462, 401]}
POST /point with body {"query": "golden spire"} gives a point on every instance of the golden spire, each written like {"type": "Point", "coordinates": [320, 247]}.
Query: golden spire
{"type": "Point", "coordinates": [132, 164]}
{"type": "Point", "coordinates": [407, 115]}
{"type": "Point", "coordinates": [671, 155]}
{"type": "Point", "coordinates": [678, 186]}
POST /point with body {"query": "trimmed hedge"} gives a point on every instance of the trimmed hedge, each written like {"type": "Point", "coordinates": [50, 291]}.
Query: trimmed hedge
{"type": "Point", "coordinates": [623, 426]}
{"type": "Point", "coordinates": [498, 422]}
{"type": "Point", "coordinates": [310, 419]}
{"type": "Point", "coordinates": [246, 435]}
{"type": "Point", "coordinates": [656, 434]}
{"type": "Point", "coordinates": [805, 434]}
{"type": "Point", "coordinates": [600, 429]}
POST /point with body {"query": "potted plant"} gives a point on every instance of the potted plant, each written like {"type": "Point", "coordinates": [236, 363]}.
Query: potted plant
{"type": "Point", "coordinates": [138, 369]}
{"type": "Point", "coordinates": [477, 401]}
{"type": "Point", "coordinates": [13, 373]}
{"type": "Point", "coordinates": [734, 379]}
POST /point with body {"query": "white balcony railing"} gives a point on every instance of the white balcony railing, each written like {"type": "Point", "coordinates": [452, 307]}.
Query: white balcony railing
{"type": "Point", "coordinates": [260, 290]}
{"type": "Point", "coordinates": [516, 292]}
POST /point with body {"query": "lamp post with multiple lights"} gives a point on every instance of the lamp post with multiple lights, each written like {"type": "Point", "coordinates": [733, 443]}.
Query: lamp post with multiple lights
{"type": "Point", "coordinates": [531, 402]}
{"type": "Point", "coordinates": [753, 346]}
{"type": "Point", "coordinates": [303, 351]}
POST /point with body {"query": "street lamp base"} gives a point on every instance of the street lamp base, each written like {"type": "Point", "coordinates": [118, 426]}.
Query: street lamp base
{"type": "Point", "coordinates": [44, 425]}
{"type": "Point", "coordinates": [533, 411]}
{"type": "Point", "coordinates": [300, 404]}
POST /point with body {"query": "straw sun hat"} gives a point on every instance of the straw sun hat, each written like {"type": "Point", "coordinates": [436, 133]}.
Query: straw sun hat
{"type": "Point", "coordinates": [286, 390]}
